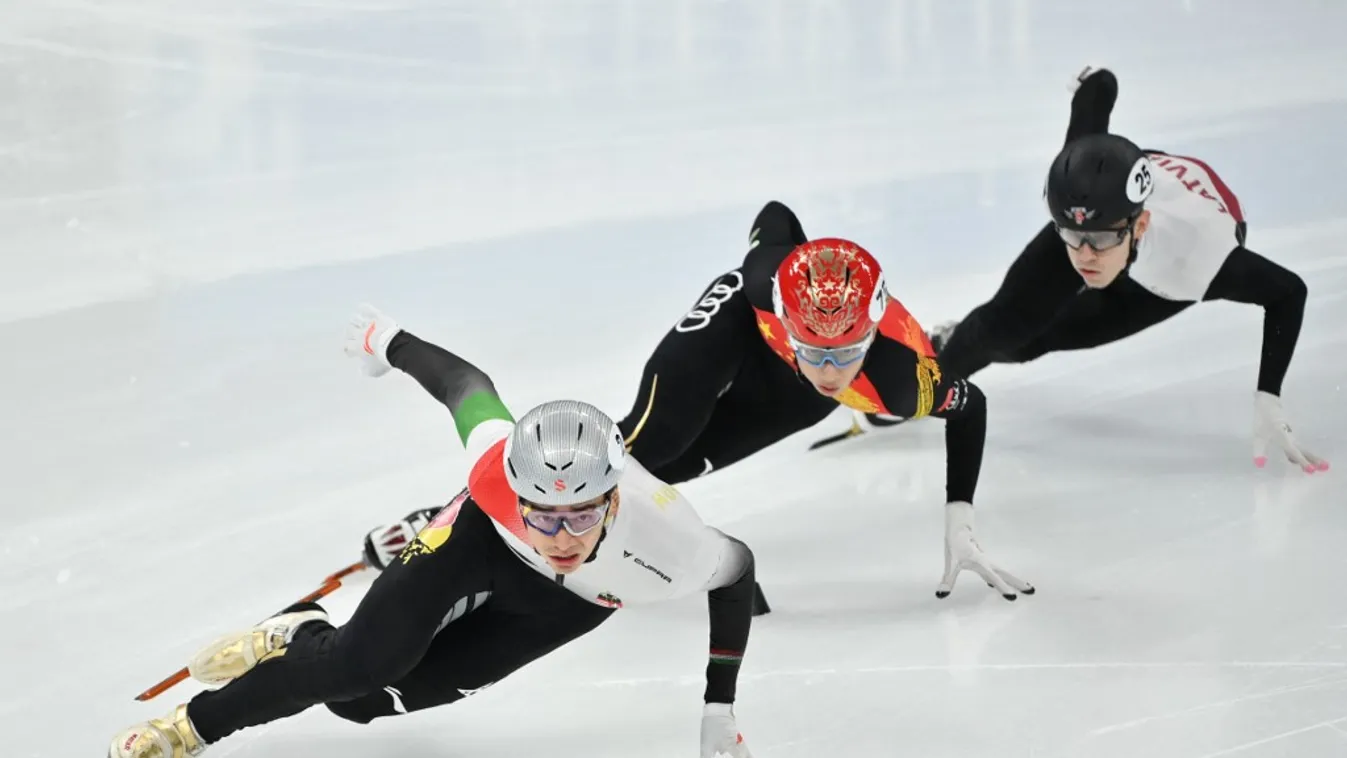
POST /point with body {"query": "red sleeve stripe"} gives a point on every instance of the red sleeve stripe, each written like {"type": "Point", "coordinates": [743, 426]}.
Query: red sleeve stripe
{"type": "Point", "coordinates": [726, 656]}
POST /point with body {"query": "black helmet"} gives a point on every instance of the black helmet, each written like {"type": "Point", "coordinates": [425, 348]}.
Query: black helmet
{"type": "Point", "coordinates": [1097, 181]}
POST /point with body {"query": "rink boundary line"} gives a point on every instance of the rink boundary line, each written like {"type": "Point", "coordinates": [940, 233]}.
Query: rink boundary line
{"type": "Point", "coordinates": [974, 667]}
{"type": "Point", "coordinates": [1289, 689]}
{"type": "Point", "coordinates": [1330, 724]}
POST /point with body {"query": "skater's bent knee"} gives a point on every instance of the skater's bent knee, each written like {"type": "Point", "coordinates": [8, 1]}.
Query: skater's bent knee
{"type": "Point", "coordinates": [370, 670]}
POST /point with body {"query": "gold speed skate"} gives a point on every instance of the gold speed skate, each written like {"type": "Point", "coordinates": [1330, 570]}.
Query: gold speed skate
{"type": "Point", "coordinates": [234, 655]}
{"type": "Point", "coordinates": [172, 736]}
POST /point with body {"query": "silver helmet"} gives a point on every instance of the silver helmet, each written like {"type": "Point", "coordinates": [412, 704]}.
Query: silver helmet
{"type": "Point", "coordinates": [564, 452]}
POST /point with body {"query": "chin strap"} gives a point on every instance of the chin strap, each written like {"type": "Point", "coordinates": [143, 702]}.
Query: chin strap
{"type": "Point", "coordinates": [602, 536]}
{"type": "Point", "coordinates": [1132, 245]}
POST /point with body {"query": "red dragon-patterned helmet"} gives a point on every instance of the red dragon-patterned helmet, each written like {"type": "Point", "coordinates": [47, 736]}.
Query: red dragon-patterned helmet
{"type": "Point", "coordinates": [829, 293]}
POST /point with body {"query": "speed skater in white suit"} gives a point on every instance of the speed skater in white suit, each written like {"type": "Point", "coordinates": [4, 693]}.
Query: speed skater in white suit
{"type": "Point", "coordinates": [556, 529]}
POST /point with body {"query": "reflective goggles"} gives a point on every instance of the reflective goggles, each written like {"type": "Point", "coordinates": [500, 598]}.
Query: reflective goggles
{"type": "Point", "coordinates": [840, 357]}
{"type": "Point", "coordinates": [550, 522]}
{"type": "Point", "coordinates": [1102, 239]}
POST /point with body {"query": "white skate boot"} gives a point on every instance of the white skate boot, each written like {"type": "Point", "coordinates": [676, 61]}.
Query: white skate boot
{"type": "Point", "coordinates": [384, 544]}
{"type": "Point", "coordinates": [172, 736]}
{"type": "Point", "coordinates": [234, 655]}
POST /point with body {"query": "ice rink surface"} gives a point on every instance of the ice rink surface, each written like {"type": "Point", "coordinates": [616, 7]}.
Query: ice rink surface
{"type": "Point", "coordinates": [193, 196]}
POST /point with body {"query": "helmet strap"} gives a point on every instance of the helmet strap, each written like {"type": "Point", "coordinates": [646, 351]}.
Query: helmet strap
{"type": "Point", "coordinates": [1132, 240]}
{"type": "Point", "coordinates": [603, 535]}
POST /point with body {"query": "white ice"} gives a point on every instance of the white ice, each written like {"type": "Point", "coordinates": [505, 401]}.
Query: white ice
{"type": "Point", "coordinates": [194, 195]}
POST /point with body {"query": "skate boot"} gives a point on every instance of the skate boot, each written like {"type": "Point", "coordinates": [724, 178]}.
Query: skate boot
{"type": "Point", "coordinates": [384, 544]}
{"type": "Point", "coordinates": [881, 420]}
{"type": "Point", "coordinates": [234, 655]}
{"type": "Point", "coordinates": [172, 736]}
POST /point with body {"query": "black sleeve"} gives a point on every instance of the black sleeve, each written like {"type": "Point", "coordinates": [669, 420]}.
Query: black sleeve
{"type": "Point", "coordinates": [964, 409]}
{"type": "Point", "coordinates": [688, 370]}
{"type": "Point", "coordinates": [1039, 283]}
{"type": "Point", "coordinates": [776, 232]}
{"type": "Point", "coordinates": [1092, 105]}
{"type": "Point", "coordinates": [777, 225]}
{"type": "Point", "coordinates": [914, 387]}
{"type": "Point", "coordinates": [731, 610]}
{"type": "Point", "coordinates": [1247, 277]}
{"type": "Point", "coordinates": [447, 377]}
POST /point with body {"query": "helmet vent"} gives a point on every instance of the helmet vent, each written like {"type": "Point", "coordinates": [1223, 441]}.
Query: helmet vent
{"type": "Point", "coordinates": [562, 451]}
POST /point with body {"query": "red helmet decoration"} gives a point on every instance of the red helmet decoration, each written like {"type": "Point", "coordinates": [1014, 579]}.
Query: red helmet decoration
{"type": "Point", "coordinates": [829, 293]}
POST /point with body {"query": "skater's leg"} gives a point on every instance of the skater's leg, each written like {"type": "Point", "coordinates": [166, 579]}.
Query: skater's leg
{"type": "Point", "coordinates": [385, 638]}
{"type": "Point", "coordinates": [481, 648]}
{"type": "Point", "coordinates": [766, 403]}
{"type": "Point", "coordinates": [688, 371]}
{"type": "Point", "coordinates": [1098, 317]}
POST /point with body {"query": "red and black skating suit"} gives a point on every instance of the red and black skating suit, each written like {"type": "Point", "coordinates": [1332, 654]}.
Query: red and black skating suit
{"type": "Point", "coordinates": [723, 383]}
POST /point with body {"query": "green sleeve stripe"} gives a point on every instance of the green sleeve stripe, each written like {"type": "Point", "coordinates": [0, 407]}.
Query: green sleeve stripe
{"type": "Point", "coordinates": [477, 408]}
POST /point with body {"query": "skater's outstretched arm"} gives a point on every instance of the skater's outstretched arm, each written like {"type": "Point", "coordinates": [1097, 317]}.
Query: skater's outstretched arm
{"type": "Point", "coordinates": [730, 601]}
{"type": "Point", "coordinates": [1092, 104]}
{"type": "Point", "coordinates": [382, 344]}
{"type": "Point", "coordinates": [463, 388]}
{"type": "Point", "coordinates": [913, 386]}
{"type": "Point", "coordinates": [936, 391]}
{"type": "Point", "coordinates": [964, 408]}
{"type": "Point", "coordinates": [1247, 277]}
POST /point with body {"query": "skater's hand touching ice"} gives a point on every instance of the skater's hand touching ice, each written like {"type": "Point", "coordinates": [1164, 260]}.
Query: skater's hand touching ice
{"type": "Point", "coordinates": [720, 733]}
{"type": "Point", "coordinates": [1271, 429]}
{"type": "Point", "coordinates": [962, 552]}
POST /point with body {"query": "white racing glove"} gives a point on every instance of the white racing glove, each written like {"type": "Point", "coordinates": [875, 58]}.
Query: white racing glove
{"type": "Point", "coordinates": [384, 544]}
{"type": "Point", "coordinates": [720, 734]}
{"type": "Point", "coordinates": [367, 336]}
{"type": "Point", "coordinates": [962, 551]}
{"type": "Point", "coordinates": [1270, 429]}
